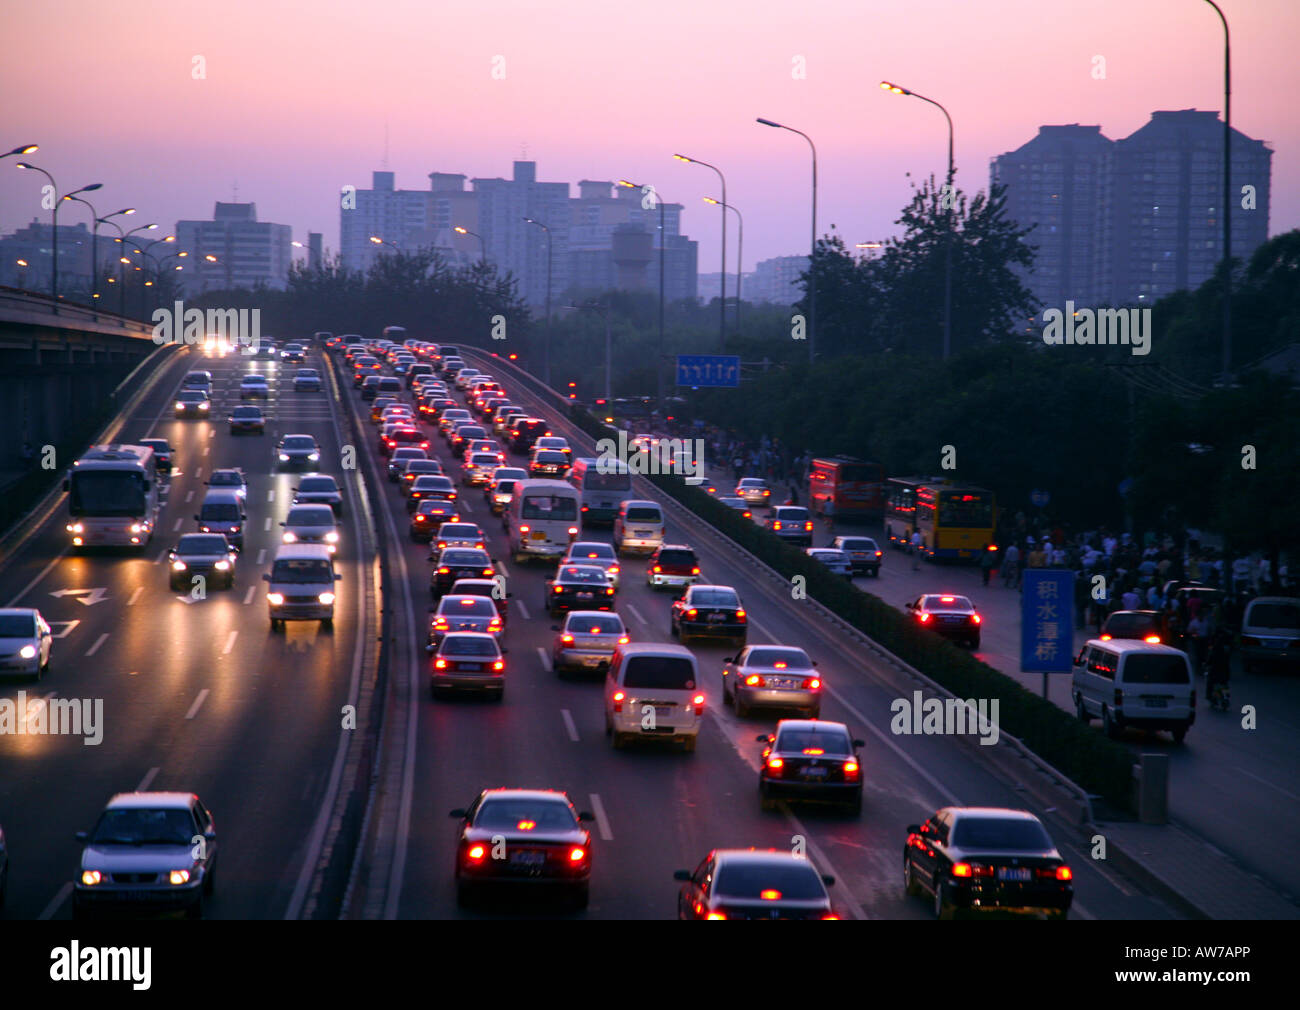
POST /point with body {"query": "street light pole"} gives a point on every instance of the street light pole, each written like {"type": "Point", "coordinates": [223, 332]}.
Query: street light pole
{"type": "Point", "coordinates": [94, 243]}
{"type": "Point", "coordinates": [125, 237]}
{"type": "Point", "coordinates": [722, 291]}
{"type": "Point", "coordinates": [1227, 197]}
{"type": "Point", "coordinates": [54, 218]}
{"type": "Point", "coordinates": [740, 251]}
{"type": "Point", "coordinates": [546, 353]}
{"type": "Point", "coordinates": [663, 241]}
{"type": "Point", "coordinates": [482, 246]}
{"type": "Point", "coordinates": [812, 258]}
{"type": "Point", "coordinates": [951, 195]}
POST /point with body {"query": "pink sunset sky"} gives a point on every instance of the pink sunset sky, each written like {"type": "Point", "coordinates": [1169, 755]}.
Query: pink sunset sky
{"type": "Point", "coordinates": [297, 96]}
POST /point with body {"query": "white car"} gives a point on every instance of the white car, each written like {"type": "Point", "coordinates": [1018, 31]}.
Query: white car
{"type": "Point", "coordinates": [311, 524]}
{"type": "Point", "coordinates": [306, 380]}
{"type": "Point", "coordinates": [836, 560]}
{"type": "Point", "coordinates": [25, 642]}
{"type": "Point", "coordinates": [591, 552]}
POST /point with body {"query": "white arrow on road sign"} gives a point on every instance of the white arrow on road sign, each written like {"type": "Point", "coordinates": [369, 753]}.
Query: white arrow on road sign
{"type": "Point", "coordinates": [93, 596]}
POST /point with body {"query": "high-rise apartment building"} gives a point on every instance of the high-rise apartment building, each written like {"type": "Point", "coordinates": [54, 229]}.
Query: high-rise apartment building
{"type": "Point", "coordinates": [245, 252]}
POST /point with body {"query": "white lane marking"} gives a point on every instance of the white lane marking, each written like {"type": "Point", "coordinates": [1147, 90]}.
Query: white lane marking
{"type": "Point", "coordinates": [270, 495]}
{"type": "Point", "coordinates": [207, 447]}
{"type": "Point", "coordinates": [198, 473]}
{"type": "Point", "coordinates": [1268, 783]}
{"type": "Point", "coordinates": [266, 526]}
{"type": "Point", "coordinates": [177, 527]}
{"type": "Point", "coordinates": [569, 726]}
{"type": "Point", "coordinates": [637, 614]}
{"type": "Point", "coordinates": [57, 900]}
{"type": "Point", "coordinates": [134, 596]}
{"type": "Point", "coordinates": [198, 702]}
{"type": "Point", "coordinates": [463, 506]}
{"type": "Point", "coordinates": [546, 660]}
{"type": "Point", "coordinates": [230, 643]}
{"type": "Point", "coordinates": [602, 821]}
{"type": "Point", "coordinates": [158, 560]}
{"type": "Point", "coordinates": [522, 609]}
{"type": "Point", "coordinates": [39, 575]}
{"type": "Point", "coordinates": [98, 642]}
{"type": "Point", "coordinates": [147, 781]}
{"type": "Point", "coordinates": [189, 497]}
{"type": "Point", "coordinates": [505, 572]}
{"type": "Point", "coordinates": [261, 556]}
{"type": "Point", "coordinates": [248, 596]}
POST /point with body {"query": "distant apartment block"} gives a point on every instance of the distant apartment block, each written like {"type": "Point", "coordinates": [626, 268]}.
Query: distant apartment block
{"type": "Point", "coordinates": [246, 252]}
{"type": "Point", "coordinates": [774, 280]}
{"type": "Point", "coordinates": [27, 256]}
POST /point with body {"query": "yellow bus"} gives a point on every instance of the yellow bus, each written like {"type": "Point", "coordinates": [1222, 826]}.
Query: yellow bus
{"type": "Point", "coordinates": [956, 521]}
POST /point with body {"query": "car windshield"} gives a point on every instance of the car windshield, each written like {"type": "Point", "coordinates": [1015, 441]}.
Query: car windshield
{"type": "Point", "coordinates": [551, 456]}
{"type": "Point", "coordinates": [483, 458]}
{"type": "Point", "coordinates": [1274, 615]}
{"type": "Point", "coordinates": [644, 514]}
{"type": "Point", "coordinates": [428, 467]}
{"type": "Point", "coordinates": [572, 573]}
{"type": "Point", "coordinates": [545, 506]}
{"type": "Point", "coordinates": [140, 826]}
{"type": "Point", "coordinates": [792, 514]}
{"type": "Point", "coordinates": [157, 445]}
{"type": "Point", "coordinates": [200, 543]}
{"type": "Point", "coordinates": [310, 517]}
{"type": "Point", "coordinates": [471, 558]}
{"type": "Point", "coordinates": [468, 645]}
{"type": "Point", "coordinates": [1000, 833]}
{"type": "Point", "coordinates": [467, 606]}
{"type": "Point", "coordinates": [1130, 623]}
{"type": "Point", "coordinates": [526, 815]}
{"type": "Point", "coordinates": [254, 380]}
{"type": "Point", "coordinates": [432, 482]}
{"type": "Point", "coordinates": [751, 880]}
{"type": "Point", "coordinates": [794, 659]}
{"type": "Point", "coordinates": [588, 624]}
{"type": "Point", "coordinates": [714, 598]}
{"type": "Point", "coordinates": [676, 558]}
{"type": "Point", "coordinates": [671, 673]}
{"type": "Point", "coordinates": [318, 484]}
{"type": "Point", "coordinates": [226, 478]}
{"type": "Point", "coordinates": [17, 626]}
{"type": "Point", "coordinates": [602, 552]}
{"type": "Point", "coordinates": [302, 570]}
{"type": "Point", "coordinates": [299, 442]}
{"type": "Point", "coordinates": [224, 512]}
{"type": "Point", "coordinates": [460, 531]}
{"type": "Point", "coordinates": [948, 603]}
{"type": "Point", "coordinates": [248, 412]}
{"type": "Point", "coordinates": [1156, 668]}
{"type": "Point", "coordinates": [307, 373]}
{"type": "Point", "coordinates": [107, 493]}
{"type": "Point", "coordinates": [191, 396]}
{"type": "Point", "coordinates": [594, 480]}
{"type": "Point", "coordinates": [828, 741]}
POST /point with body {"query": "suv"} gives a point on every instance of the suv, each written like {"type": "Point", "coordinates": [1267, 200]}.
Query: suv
{"type": "Point", "coordinates": [673, 565]}
{"type": "Point", "coordinates": [864, 554]}
{"type": "Point", "coordinates": [1270, 632]}
{"type": "Point", "coordinates": [1134, 684]}
{"type": "Point", "coordinates": [652, 692]}
{"type": "Point", "coordinates": [792, 523]}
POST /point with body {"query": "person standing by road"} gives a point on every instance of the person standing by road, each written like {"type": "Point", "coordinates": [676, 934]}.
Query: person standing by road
{"type": "Point", "coordinates": [1011, 566]}
{"type": "Point", "coordinates": [828, 510]}
{"type": "Point", "coordinates": [1198, 633]}
{"type": "Point", "coordinates": [917, 543]}
{"type": "Point", "coordinates": [987, 561]}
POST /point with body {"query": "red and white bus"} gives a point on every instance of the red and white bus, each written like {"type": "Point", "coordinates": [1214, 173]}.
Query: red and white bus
{"type": "Point", "coordinates": [855, 486]}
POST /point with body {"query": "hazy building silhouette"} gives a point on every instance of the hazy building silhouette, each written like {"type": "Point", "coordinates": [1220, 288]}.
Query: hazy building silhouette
{"type": "Point", "coordinates": [248, 252]}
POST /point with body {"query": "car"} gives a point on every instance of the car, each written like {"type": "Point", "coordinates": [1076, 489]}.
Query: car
{"type": "Point", "coordinates": [948, 615]}
{"type": "Point", "coordinates": [457, 534]}
{"type": "Point", "coordinates": [378, 405]}
{"type": "Point", "coordinates": [772, 676]}
{"type": "Point", "coordinates": [153, 851]}
{"type": "Point", "coordinates": [434, 406]}
{"type": "Point", "coordinates": [254, 387]}
{"type": "Point", "coordinates": [1270, 633]}
{"type": "Point", "coordinates": [548, 463]}
{"type": "Point", "coordinates": [208, 555]}
{"type": "Point", "coordinates": [320, 489]}
{"type": "Point", "coordinates": [673, 565]}
{"type": "Point", "coordinates": [585, 587]}
{"type": "Point", "coordinates": [399, 457]}
{"type": "Point", "coordinates": [162, 453]}
{"type": "Point", "coordinates": [231, 478]}
{"type": "Point", "coordinates": [192, 403]}
{"type": "Point", "coordinates": [388, 385]}
{"type": "Point", "coordinates": [1143, 625]}
{"type": "Point", "coordinates": [836, 561]}
{"type": "Point", "coordinates": [293, 353]}
{"type": "Point", "coordinates": [463, 375]}
{"type": "Point", "coordinates": [297, 450]}
{"type": "Point", "coordinates": [26, 641]}
{"type": "Point", "coordinates": [754, 884]}
{"type": "Point", "coordinates": [247, 418]}
{"type": "Point", "coordinates": [391, 412]}
{"type": "Point", "coordinates": [591, 552]}
{"type": "Point", "coordinates": [987, 859]}
{"type": "Point", "coordinates": [468, 661]}
{"type": "Point", "coordinates": [429, 515]}
{"type": "Point", "coordinates": [504, 417]}
{"type": "Point", "coordinates": [307, 380]}
{"type": "Point", "coordinates": [541, 837]}
{"type": "Point", "coordinates": [460, 612]}
{"type": "Point", "coordinates": [1134, 684]}
{"type": "Point", "coordinates": [524, 431]}
{"type": "Point", "coordinates": [429, 486]}
{"type": "Point", "coordinates": [461, 436]}
{"type": "Point", "coordinates": [500, 488]}
{"type": "Point", "coordinates": [739, 504]}
{"type": "Point", "coordinates": [708, 611]}
{"type": "Point", "coordinates": [404, 435]}
{"type": "Point", "coordinates": [484, 445]}
{"type": "Point", "coordinates": [587, 640]}
{"type": "Point", "coordinates": [754, 490]}
{"type": "Point", "coordinates": [486, 405]}
{"type": "Point", "coordinates": [311, 524]}
{"type": "Point", "coordinates": [200, 379]}
{"type": "Point", "coordinates": [451, 417]}
{"type": "Point", "coordinates": [808, 759]}
{"type": "Point", "coordinates": [477, 469]}
{"type": "Point", "coordinates": [222, 511]}
{"type": "Point", "coordinates": [369, 383]}
{"type": "Point", "coordinates": [864, 554]}
{"type": "Point", "coordinates": [413, 468]}
{"type": "Point", "coordinates": [493, 589]}
{"type": "Point", "coordinates": [266, 349]}
{"type": "Point", "coordinates": [643, 441]}
{"type": "Point", "coordinates": [364, 366]}
{"type": "Point", "coordinates": [792, 523]}
{"type": "Point", "coordinates": [459, 563]}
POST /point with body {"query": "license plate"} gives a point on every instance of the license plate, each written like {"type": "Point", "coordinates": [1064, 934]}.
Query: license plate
{"type": "Point", "coordinates": [663, 711]}
{"type": "Point", "coordinates": [715, 618]}
{"type": "Point", "coordinates": [469, 666]}
{"type": "Point", "coordinates": [538, 535]}
{"type": "Point", "coordinates": [783, 682]}
{"type": "Point", "coordinates": [1155, 702]}
{"type": "Point", "coordinates": [814, 773]}
{"type": "Point", "coordinates": [641, 533]}
{"type": "Point", "coordinates": [528, 858]}
{"type": "Point", "coordinates": [1011, 873]}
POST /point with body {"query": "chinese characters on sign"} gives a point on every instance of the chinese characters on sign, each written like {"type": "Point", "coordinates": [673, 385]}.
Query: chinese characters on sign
{"type": "Point", "coordinates": [1047, 621]}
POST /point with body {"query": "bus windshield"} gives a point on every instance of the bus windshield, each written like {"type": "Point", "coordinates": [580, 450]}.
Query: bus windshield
{"type": "Point", "coordinates": [959, 508]}
{"type": "Point", "coordinates": [543, 506]}
{"type": "Point", "coordinates": [106, 493]}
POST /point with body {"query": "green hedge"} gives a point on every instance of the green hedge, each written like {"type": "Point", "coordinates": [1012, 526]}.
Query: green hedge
{"type": "Point", "coordinates": [1099, 765]}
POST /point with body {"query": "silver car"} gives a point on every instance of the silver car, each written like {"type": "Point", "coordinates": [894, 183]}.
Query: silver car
{"type": "Point", "coordinates": [585, 552]}
{"type": "Point", "coordinates": [772, 676]}
{"type": "Point", "coordinates": [400, 457]}
{"type": "Point", "coordinates": [833, 558]}
{"type": "Point", "coordinates": [321, 489]}
{"type": "Point", "coordinates": [311, 524]}
{"type": "Point", "coordinates": [754, 491]}
{"type": "Point", "coordinates": [149, 851]}
{"type": "Point", "coordinates": [25, 642]}
{"type": "Point", "coordinates": [587, 640]}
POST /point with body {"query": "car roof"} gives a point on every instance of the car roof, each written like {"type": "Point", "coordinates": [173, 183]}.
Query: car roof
{"type": "Point", "coordinates": [757, 856]}
{"type": "Point", "coordinates": [222, 495]}
{"type": "Point", "coordinates": [656, 649]}
{"type": "Point", "coordinates": [525, 794]}
{"type": "Point", "coordinates": [17, 611]}
{"type": "Point", "coordinates": [302, 552]}
{"type": "Point", "coordinates": [629, 502]}
{"type": "Point", "coordinates": [298, 434]}
{"type": "Point", "coordinates": [1132, 645]}
{"type": "Point", "coordinates": [311, 505]}
{"type": "Point", "coordinates": [470, 634]}
{"type": "Point", "coordinates": [676, 547]}
{"type": "Point", "coordinates": [997, 813]}
{"type": "Point", "coordinates": [139, 801]}
{"type": "Point", "coordinates": [587, 615]}
{"type": "Point", "coordinates": [810, 725]}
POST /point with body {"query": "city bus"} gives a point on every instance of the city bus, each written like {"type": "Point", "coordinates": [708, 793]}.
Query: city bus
{"type": "Point", "coordinates": [956, 521]}
{"type": "Point", "coordinates": [854, 486]}
{"type": "Point", "coordinates": [113, 496]}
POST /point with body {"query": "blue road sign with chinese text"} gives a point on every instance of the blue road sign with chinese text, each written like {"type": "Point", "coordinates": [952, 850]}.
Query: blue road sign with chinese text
{"type": "Point", "coordinates": [708, 370]}
{"type": "Point", "coordinates": [1047, 621]}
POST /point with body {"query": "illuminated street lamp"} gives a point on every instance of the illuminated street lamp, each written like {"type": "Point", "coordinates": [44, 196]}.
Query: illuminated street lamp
{"type": "Point", "coordinates": [722, 291]}
{"type": "Point", "coordinates": [54, 216]}
{"type": "Point", "coordinates": [481, 244]}
{"type": "Point", "coordinates": [740, 251]}
{"type": "Point", "coordinates": [812, 256]}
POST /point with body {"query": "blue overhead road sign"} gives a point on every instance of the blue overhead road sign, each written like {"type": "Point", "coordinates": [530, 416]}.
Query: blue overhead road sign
{"type": "Point", "coordinates": [708, 370]}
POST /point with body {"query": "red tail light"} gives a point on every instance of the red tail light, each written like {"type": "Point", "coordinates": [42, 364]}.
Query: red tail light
{"type": "Point", "coordinates": [658, 569]}
{"type": "Point", "coordinates": [1106, 638]}
{"type": "Point", "coordinates": [851, 769]}
{"type": "Point", "coordinates": [1152, 639]}
{"type": "Point", "coordinates": [577, 854]}
{"type": "Point", "coordinates": [753, 680]}
{"type": "Point", "coordinates": [618, 701]}
{"type": "Point", "coordinates": [770, 895]}
{"type": "Point", "coordinates": [523, 529]}
{"type": "Point", "coordinates": [740, 615]}
{"type": "Point", "coordinates": [807, 526]}
{"type": "Point", "coordinates": [976, 618]}
{"type": "Point", "coordinates": [623, 640]}
{"type": "Point", "coordinates": [698, 701]}
{"type": "Point", "coordinates": [476, 853]}
{"type": "Point", "coordinates": [776, 525]}
{"type": "Point", "coordinates": [962, 870]}
{"type": "Point", "coordinates": [440, 664]}
{"type": "Point", "coordinates": [830, 915]}
{"type": "Point", "coordinates": [812, 684]}
{"type": "Point", "coordinates": [924, 617]}
{"type": "Point", "coordinates": [775, 764]}
{"type": "Point", "coordinates": [694, 571]}
{"type": "Point", "coordinates": [419, 518]}
{"type": "Point", "coordinates": [566, 639]}
{"type": "Point", "coordinates": [499, 665]}
{"type": "Point", "coordinates": [573, 531]}
{"type": "Point", "coordinates": [488, 572]}
{"type": "Point", "coordinates": [878, 554]}
{"type": "Point", "coordinates": [559, 589]}
{"type": "Point", "coordinates": [692, 612]}
{"type": "Point", "coordinates": [444, 570]}
{"type": "Point", "coordinates": [716, 915]}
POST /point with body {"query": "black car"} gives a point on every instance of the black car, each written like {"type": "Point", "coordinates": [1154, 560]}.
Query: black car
{"type": "Point", "coordinates": [1142, 625]}
{"type": "Point", "coordinates": [709, 612]}
{"type": "Point", "coordinates": [522, 837]}
{"type": "Point", "coordinates": [578, 587]}
{"type": "Point", "coordinates": [162, 453]}
{"type": "Point", "coordinates": [207, 554]}
{"type": "Point", "coordinates": [987, 859]}
{"type": "Point", "coordinates": [430, 486]}
{"type": "Point", "coordinates": [428, 516]}
{"type": "Point", "coordinates": [247, 418]}
{"type": "Point", "coordinates": [548, 463]}
{"type": "Point", "coordinates": [459, 563]}
{"type": "Point", "coordinates": [864, 554]}
{"type": "Point", "coordinates": [460, 612]}
{"type": "Point", "coordinates": [525, 432]}
{"type": "Point", "coordinates": [754, 884]}
{"type": "Point", "coordinates": [807, 759]}
{"type": "Point", "coordinates": [462, 436]}
{"type": "Point", "coordinates": [192, 403]}
{"type": "Point", "coordinates": [952, 617]}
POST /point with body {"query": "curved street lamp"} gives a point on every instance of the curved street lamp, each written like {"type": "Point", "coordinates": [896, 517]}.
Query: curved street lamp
{"type": "Point", "coordinates": [54, 217]}
{"type": "Point", "coordinates": [546, 354]}
{"type": "Point", "coordinates": [740, 250]}
{"type": "Point", "coordinates": [482, 246]}
{"type": "Point", "coordinates": [722, 291]}
{"type": "Point", "coordinates": [812, 256]}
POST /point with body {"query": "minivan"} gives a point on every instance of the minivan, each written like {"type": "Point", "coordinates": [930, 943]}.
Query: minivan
{"type": "Point", "coordinates": [652, 691]}
{"type": "Point", "coordinates": [541, 519]}
{"type": "Point", "coordinates": [603, 485]}
{"type": "Point", "coordinates": [301, 586]}
{"type": "Point", "coordinates": [201, 379]}
{"type": "Point", "coordinates": [222, 511]}
{"type": "Point", "coordinates": [1130, 683]}
{"type": "Point", "coordinates": [638, 527]}
{"type": "Point", "coordinates": [1270, 632]}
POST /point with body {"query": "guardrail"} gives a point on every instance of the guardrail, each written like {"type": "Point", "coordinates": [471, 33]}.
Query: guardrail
{"type": "Point", "coordinates": [31, 301]}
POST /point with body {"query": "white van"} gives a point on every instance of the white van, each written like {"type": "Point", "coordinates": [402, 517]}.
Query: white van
{"type": "Point", "coordinates": [652, 690]}
{"type": "Point", "coordinates": [638, 527]}
{"type": "Point", "coordinates": [603, 487]}
{"type": "Point", "coordinates": [542, 519]}
{"type": "Point", "coordinates": [1131, 683]}
{"type": "Point", "coordinates": [301, 586]}
{"type": "Point", "coordinates": [1270, 632]}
